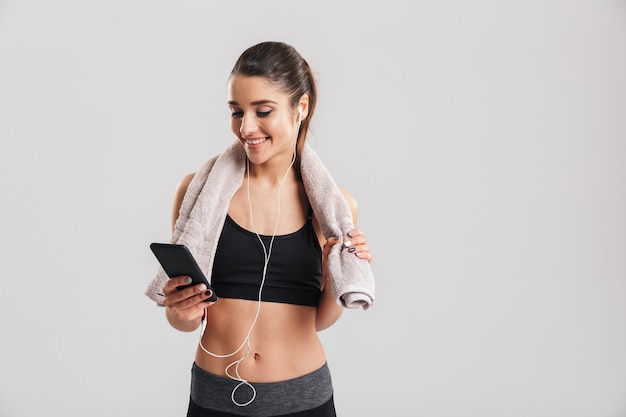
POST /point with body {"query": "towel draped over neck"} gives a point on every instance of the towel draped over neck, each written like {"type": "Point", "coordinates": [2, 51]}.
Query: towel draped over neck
{"type": "Point", "coordinates": [205, 205]}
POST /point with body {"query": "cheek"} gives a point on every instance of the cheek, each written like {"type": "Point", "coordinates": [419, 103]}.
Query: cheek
{"type": "Point", "coordinates": [279, 126]}
{"type": "Point", "coordinates": [271, 125]}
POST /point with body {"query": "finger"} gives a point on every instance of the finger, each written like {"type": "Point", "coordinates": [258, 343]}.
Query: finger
{"type": "Point", "coordinates": [185, 296]}
{"type": "Point", "coordinates": [332, 241]}
{"type": "Point", "coordinates": [188, 310]}
{"type": "Point", "coordinates": [355, 241]}
{"type": "Point", "coordinates": [171, 286]}
{"type": "Point", "coordinates": [193, 303]}
{"type": "Point", "coordinates": [361, 250]}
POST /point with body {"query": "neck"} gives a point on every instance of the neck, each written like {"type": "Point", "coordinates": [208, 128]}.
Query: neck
{"type": "Point", "coordinates": [271, 174]}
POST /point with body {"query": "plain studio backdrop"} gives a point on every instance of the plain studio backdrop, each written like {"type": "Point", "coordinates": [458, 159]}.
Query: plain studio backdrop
{"type": "Point", "coordinates": [484, 141]}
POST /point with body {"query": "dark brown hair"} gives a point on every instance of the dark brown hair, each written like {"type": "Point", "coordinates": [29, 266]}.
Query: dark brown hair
{"type": "Point", "coordinates": [281, 64]}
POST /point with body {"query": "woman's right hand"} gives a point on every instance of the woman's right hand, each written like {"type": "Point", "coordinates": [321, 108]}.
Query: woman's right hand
{"type": "Point", "coordinates": [185, 308]}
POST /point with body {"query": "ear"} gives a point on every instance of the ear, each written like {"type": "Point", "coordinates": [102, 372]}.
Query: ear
{"type": "Point", "coordinates": [303, 107]}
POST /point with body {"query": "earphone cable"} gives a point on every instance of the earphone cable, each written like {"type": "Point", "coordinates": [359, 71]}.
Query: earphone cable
{"type": "Point", "coordinates": [267, 252]}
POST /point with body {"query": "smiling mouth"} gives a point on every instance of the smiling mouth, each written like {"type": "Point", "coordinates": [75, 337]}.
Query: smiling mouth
{"type": "Point", "coordinates": [255, 141]}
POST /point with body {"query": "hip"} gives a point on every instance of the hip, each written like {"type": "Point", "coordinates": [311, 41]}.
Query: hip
{"type": "Point", "coordinates": [310, 394]}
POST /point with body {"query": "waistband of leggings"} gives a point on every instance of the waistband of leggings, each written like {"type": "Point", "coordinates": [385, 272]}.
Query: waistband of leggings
{"type": "Point", "coordinates": [306, 392]}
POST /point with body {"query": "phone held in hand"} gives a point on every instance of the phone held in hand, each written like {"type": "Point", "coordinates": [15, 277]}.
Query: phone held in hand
{"type": "Point", "coordinates": [177, 260]}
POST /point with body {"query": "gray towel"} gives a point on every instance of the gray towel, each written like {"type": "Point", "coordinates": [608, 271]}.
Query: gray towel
{"type": "Point", "coordinates": [206, 202]}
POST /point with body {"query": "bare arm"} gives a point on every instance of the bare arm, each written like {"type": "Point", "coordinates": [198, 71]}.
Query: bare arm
{"type": "Point", "coordinates": [328, 310]}
{"type": "Point", "coordinates": [181, 189]}
{"type": "Point", "coordinates": [184, 309]}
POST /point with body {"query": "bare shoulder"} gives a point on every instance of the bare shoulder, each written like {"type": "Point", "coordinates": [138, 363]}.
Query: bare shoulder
{"type": "Point", "coordinates": [353, 209]}
{"type": "Point", "coordinates": [351, 203]}
{"type": "Point", "coordinates": [179, 195]}
{"type": "Point", "coordinates": [182, 186]}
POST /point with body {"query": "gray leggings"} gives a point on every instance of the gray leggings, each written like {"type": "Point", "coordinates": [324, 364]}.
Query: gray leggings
{"type": "Point", "coordinates": [307, 395]}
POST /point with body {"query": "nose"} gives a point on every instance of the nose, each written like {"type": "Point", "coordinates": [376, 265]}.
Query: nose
{"type": "Point", "coordinates": [248, 124]}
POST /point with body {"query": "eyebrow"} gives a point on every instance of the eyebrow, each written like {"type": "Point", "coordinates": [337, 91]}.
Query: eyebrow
{"type": "Point", "coordinates": [254, 103]}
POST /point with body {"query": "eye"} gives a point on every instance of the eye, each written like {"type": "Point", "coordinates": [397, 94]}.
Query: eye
{"type": "Point", "coordinates": [237, 114]}
{"type": "Point", "coordinates": [263, 113]}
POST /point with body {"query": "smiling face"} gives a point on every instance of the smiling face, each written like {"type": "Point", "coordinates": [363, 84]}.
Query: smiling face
{"type": "Point", "coordinates": [262, 118]}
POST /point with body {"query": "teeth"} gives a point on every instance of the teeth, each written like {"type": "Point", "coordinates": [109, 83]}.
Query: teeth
{"type": "Point", "coordinates": [254, 142]}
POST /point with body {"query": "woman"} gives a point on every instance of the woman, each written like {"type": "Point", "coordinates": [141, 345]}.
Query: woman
{"type": "Point", "coordinates": [259, 354]}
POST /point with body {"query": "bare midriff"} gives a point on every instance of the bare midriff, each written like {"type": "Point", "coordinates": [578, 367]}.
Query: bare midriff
{"type": "Point", "coordinates": [283, 343]}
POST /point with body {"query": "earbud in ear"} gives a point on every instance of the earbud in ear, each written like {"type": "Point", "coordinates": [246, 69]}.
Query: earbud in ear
{"type": "Point", "coordinates": [300, 111]}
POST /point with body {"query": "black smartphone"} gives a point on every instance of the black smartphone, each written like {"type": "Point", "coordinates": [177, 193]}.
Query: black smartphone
{"type": "Point", "coordinates": [177, 260]}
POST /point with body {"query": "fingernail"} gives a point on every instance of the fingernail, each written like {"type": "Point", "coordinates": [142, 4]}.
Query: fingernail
{"type": "Point", "coordinates": [351, 249]}
{"type": "Point", "coordinates": [350, 233]}
{"type": "Point", "coordinates": [335, 238]}
{"type": "Point", "coordinates": [202, 287]}
{"type": "Point", "coordinates": [347, 243]}
{"type": "Point", "coordinates": [187, 280]}
{"type": "Point", "coordinates": [208, 293]}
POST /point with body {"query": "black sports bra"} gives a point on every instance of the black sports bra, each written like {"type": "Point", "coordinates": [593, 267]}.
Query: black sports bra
{"type": "Point", "coordinates": [294, 272]}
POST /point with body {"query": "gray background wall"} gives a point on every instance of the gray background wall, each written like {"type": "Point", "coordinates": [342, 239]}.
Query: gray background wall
{"type": "Point", "coordinates": [485, 142]}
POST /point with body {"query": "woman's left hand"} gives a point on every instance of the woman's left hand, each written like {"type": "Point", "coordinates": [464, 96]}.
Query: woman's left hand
{"type": "Point", "coordinates": [357, 244]}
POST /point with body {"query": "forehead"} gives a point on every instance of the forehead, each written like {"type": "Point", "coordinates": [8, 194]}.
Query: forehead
{"type": "Point", "coordinates": [245, 90]}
